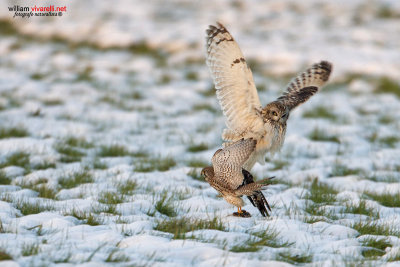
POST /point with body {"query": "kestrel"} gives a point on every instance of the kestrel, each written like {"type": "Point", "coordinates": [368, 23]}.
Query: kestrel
{"type": "Point", "coordinates": [231, 181]}
{"type": "Point", "coordinates": [239, 101]}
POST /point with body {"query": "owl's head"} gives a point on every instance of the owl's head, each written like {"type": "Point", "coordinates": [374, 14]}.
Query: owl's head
{"type": "Point", "coordinates": [207, 172]}
{"type": "Point", "coordinates": [275, 112]}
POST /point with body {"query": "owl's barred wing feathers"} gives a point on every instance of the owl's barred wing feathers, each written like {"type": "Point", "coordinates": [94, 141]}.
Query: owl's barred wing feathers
{"type": "Point", "coordinates": [306, 84]}
{"type": "Point", "coordinates": [233, 79]}
{"type": "Point", "coordinates": [228, 162]}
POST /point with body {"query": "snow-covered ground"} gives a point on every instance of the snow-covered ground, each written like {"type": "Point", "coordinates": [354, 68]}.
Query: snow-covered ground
{"type": "Point", "coordinates": [108, 114]}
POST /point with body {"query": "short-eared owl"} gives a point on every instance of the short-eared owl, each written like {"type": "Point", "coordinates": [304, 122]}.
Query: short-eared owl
{"type": "Point", "coordinates": [232, 181]}
{"type": "Point", "coordinates": [239, 101]}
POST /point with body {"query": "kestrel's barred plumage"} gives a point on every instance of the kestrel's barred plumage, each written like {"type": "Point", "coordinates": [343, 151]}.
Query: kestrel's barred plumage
{"type": "Point", "coordinates": [239, 101]}
{"type": "Point", "coordinates": [231, 181]}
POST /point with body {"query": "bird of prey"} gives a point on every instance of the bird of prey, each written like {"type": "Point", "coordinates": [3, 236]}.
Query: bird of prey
{"type": "Point", "coordinates": [239, 101]}
{"type": "Point", "coordinates": [227, 176]}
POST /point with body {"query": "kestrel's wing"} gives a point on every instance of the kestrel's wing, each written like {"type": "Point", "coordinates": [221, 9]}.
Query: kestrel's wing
{"type": "Point", "coordinates": [306, 84]}
{"type": "Point", "coordinates": [228, 162]}
{"type": "Point", "coordinates": [233, 79]}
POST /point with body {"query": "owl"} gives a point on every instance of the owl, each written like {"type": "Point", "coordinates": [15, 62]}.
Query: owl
{"type": "Point", "coordinates": [227, 176]}
{"type": "Point", "coordinates": [239, 101]}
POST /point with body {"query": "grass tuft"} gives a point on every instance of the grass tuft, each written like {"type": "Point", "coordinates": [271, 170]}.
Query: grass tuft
{"type": "Point", "coordinates": [88, 218]}
{"type": "Point", "coordinates": [361, 209]}
{"type": "Point", "coordinates": [30, 249]}
{"type": "Point", "coordinates": [111, 198]}
{"type": "Point", "coordinates": [4, 256]}
{"type": "Point", "coordinates": [265, 238]}
{"type": "Point", "coordinates": [154, 164]}
{"type": "Point", "coordinates": [295, 259]}
{"type": "Point", "coordinates": [321, 193]}
{"type": "Point", "coordinates": [165, 206]}
{"type": "Point", "coordinates": [374, 228]}
{"type": "Point", "coordinates": [387, 85]}
{"type": "Point", "coordinates": [374, 248]}
{"type": "Point", "coordinates": [75, 179]}
{"type": "Point", "coordinates": [13, 132]}
{"type": "Point", "coordinates": [180, 226]}
{"type": "Point", "coordinates": [20, 159]}
{"type": "Point", "coordinates": [28, 207]}
{"type": "Point", "coordinates": [319, 135]}
{"type": "Point", "coordinates": [126, 188]}
{"type": "Point", "coordinates": [69, 154]}
{"type": "Point", "coordinates": [341, 170]}
{"type": "Point", "coordinates": [113, 151]}
{"type": "Point", "coordinates": [196, 163]}
{"type": "Point", "coordinates": [3, 178]}
{"type": "Point", "coordinates": [320, 112]}
{"type": "Point", "coordinates": [385, 199]}
{"type": "Point", "coordinates": [195, 174]}
{"type": "Point", "coordinates": [78, 142]}
{"type": "Point", "coordinates": [116, 256]}
{"type": "Point", "coordinates": [197, 147]}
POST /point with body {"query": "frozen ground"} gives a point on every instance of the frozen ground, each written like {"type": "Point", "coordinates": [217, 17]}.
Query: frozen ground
{"type": "Point", "coordinates": [108, 114]}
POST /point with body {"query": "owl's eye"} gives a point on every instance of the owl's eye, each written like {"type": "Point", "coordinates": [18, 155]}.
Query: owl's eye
{"type": "Point", "coordinates": [274, 113]}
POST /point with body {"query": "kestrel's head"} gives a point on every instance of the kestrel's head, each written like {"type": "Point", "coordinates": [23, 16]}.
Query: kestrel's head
{"type": "Point", "coordinates": [275, 112]}
{"type": "Point", "coordinates": [207, 172]}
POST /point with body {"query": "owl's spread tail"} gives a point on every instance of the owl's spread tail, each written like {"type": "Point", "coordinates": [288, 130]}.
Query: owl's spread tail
{"type": "Point", "coordinates": [260, 202]}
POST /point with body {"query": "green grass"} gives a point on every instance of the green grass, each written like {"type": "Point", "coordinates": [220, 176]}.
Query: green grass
{"type": "Point", "coordinates": [13, 132]}
{"type": "Point", "coordinates": [196, 163]}
{"type": "Point", "coordinates": [78, 142]}
{"type": "Point", "coordinates": [374, 248]}
{"type": "Point", "coordinates": [28, 207]}
{"type": "Point", "coordinates": [197, 147]}
{"type": "Point", "coordinates": [75, 179]}
{"type": "Point", "coordinates": [117, 256]}
{"type": "Point", "coordinates": [126, 188]}
{"type": "Point", "coordinates": [3, 178]}
{"type": "Point", "coordinates": [180, 226]}
{"type": "Point", "coordinates": [88, 218]}
{"type": "Point", "coordinates": [195, 174]}
{"type": "Point", "coordinates": [20, 159]}
{"type": "Point", "coordinates": [295, 259]}
{"type": "Point", "coordinates": [30, 249]}
{"type": "Point", "coordinates": [44, 165]}
{"type": "Point", "coordinates": [191, 76]}
{"type": "Point", "coordinates": [319, 135]}
{"type": "Point", "coordinates": [165, 206]}
{"type": "Point", "coordinates": [52, 102]}
{"type": "Point", "coordinates": [374, 228]}
{"type": "Point", "coordinates": [321, 193]}
{"type": "Point", "coordinates": [258, 240]}
{"type": "Point", "coordinates": [205, 106]}
{"type": "Point", "coordinates": [385, 199]}
{"type": "Point", "coordinates": [154, 164]}
{"type": "Point", "coordinates": [320, 112]}
{"type": "Point", "coordinates": [338, 169]}
{"type": "Point", "coordinates": [108, 197]}
{"type": "Point", "coordinates": [279, 164]}
{"type": "Point", "coordinates": [361, 209]}
{"type": "Point", "coordinates": [4, 256]}
{"type": "Point", "coordinates": [113, 151]}
{"type": "Point", "coordinates": [386, 119]}
{"type": "Point", "coordinates": [69, 154]}
{"type": "Point", "coordinates": [387, 85]}
{"type": "Point", "coordinates": [389, 141]}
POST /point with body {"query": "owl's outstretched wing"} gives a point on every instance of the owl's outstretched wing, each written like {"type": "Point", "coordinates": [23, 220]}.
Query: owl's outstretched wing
{"type": "Point", "coordinates": [234, 84]}
{"type": "Point", "coordinates": [306, 84]}
{"type": "Point", "coordinates": [228, 162]}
